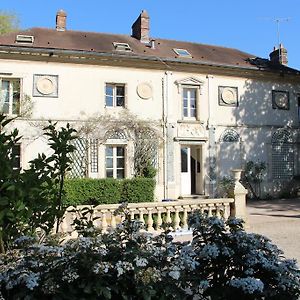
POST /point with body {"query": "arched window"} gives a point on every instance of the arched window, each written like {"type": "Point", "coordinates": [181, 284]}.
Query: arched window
{"type": "Point", "coordinates": [282, 154]}
{"type": "Point", "coordinates": [230, 135]}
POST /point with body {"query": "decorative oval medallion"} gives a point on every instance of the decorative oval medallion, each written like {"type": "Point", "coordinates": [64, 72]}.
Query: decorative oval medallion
{"type": "Point", "coordinates": [144, 90]}
{"type": "Point", "coordinates": [45, 86]}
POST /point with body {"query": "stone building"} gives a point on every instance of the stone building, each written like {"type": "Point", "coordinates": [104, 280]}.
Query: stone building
{"type": "Point", "coordinates": [215, 108]}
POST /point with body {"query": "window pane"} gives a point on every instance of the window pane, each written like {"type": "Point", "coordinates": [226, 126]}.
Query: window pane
{"type": "Point", "coordinates": [16, 97]}
{"type": "Point", "coordinates": [109, 101]}
{"type": "Point", "coordinates": [120, 162]}
{"type": "Point", "coordinates": [4, 100]}
{"type": "Point", "coordinates": [185, 93]}
{"type": "Point", "coordinates": [120, 151]}
{"type": "Point", "coordinates": [109, 151]}
{"type": "Point", "coordinates": [185, 112]}
{"type": "Point", "coordinates": [193, 93]}
{"type": "Point", "coordinates": [16, 154]}
{"type": "Point", "coordinates": [120, 101]}
{"type": "Point", "coordinates": [109, 162]}
{"type": "Point", "coordinates": [184, 160]}
{"type": "Point", "coordinates": [120, 173]}
{"type": "Point", "coordinates": [109, 90]}
{"type": "Point", "coordinates": [120, 91]}
{"type": "Point", "coordinates": [109, 173]}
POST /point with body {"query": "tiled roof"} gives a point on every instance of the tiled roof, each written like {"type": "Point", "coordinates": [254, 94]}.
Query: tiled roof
{"type": "Point", "coordinates": [92, 42]}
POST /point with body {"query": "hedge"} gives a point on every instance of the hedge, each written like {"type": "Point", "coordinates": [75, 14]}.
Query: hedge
{"type": "Point", "coordinates": [108, 191]}
{"type": "Point", "coordinates": [138, 190]}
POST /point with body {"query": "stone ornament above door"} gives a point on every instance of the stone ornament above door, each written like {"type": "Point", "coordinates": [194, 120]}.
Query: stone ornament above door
{"type": "Point", "coordinates": [189, 81]}
{"type": "Point", "coordinates": [192, 131]}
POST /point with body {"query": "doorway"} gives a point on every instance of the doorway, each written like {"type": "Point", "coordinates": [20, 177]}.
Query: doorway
{"type": "Point", "coordinates": [191, 170]}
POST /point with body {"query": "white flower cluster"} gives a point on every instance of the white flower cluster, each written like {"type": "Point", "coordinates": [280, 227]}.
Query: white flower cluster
{"type": "Point", "coordinates": [249, 285]}
{"type": "Point", "coordinates": [122, 267]}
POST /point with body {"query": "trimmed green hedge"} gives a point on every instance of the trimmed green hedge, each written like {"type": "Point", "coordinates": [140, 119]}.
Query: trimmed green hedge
{"type": "Point", "coordinates": [138, 190]}
{"type": "Point", "coordinates": [108, 191]}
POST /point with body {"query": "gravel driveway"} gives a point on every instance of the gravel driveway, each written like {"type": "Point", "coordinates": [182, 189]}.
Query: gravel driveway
{"type": "Point", "coordinates": [279, 220]}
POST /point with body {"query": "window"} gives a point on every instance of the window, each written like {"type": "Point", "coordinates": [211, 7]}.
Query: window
{"type": "Point", "coordinates": [282, 155]}
{"type": "Point", "coordinates": [115, 95]}
{"type": "Point", "coordinates": [122, 47]}
{"type": "Point", "coordinates": [16, 156]}
{"type": "Point", "coordinates": [114, 158]}
{"type": "Point", "coordinates": [182, 52]}
{"type": "Point", "coordinates": [189, 102]}
{"type": "Point", "coordinates": [231, 136]}
{"type": "Point", "coordinates": [10, 96]}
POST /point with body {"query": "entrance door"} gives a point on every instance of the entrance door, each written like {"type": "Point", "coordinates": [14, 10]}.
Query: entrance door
{"type": "Point", "coordinates": [191, 170]}
{"type": "Point", "coordinates": [186, 171]}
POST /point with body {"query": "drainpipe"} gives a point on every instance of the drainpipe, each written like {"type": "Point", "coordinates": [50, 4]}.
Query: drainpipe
{"type": "Point", "coordinates": [166, 87]}
{"type": "Point", "coordinates": [211, 140]}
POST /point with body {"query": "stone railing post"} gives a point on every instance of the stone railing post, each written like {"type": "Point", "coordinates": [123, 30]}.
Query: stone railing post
{"type": "Point", "coordinates": [238, 208]}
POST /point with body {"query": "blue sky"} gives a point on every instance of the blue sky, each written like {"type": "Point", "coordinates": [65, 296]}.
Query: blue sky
{"type": "Point", "coordinates": [245, 25]}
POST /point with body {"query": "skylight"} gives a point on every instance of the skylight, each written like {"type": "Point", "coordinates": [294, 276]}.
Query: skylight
{"type": "Point", "coordinates": [25, 39]}
{"type": "Point", "coordinates": [122, 46]}
{"type": "Point", "coordinates": [182, 52]}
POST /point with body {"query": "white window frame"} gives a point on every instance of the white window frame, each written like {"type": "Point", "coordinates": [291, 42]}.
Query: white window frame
{"type": "Point", "coordinates": [10, 95]}
{"type": "Point", "coordinates": [115, 96]}
{"type": "Point", "coordinates": [115, 157]}
{"type": "Point", "coordinates": [189, 109]}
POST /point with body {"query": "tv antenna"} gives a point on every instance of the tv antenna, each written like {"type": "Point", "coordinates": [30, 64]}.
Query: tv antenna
{"type": "Point", "coordinates": [278, 21]}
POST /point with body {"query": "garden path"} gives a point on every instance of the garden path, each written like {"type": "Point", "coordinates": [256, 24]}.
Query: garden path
{"type": "Point", "coordinates": [279, 220]}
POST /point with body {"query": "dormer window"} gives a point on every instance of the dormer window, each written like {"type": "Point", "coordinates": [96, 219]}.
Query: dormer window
{"type": "Point", "coordinates": [24, 39]}
{"type": "Point", "coordinates": [182, 52]}
{"type": "Point", "coordinates": [122, 47]}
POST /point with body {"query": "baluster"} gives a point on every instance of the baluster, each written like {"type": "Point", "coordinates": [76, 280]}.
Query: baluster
{"type": "Point", "coordinates": [113, 222]}
{"type": "Point", "coordinates": [132, 210]}
{"type": "Point", "coordinates": [63, 227]}
{"type": "Point", "coordinates": [104, 221]}
{"type": "Point", "coordinates": [185, 217]}
{"type": "Point", "coordinates": [150, 220]}
{"type": "Point", "coordinates": [168, 218]}
{"type": "Point", "coordinates": [159, 219]}
{"type": "Point", "coordinates": [209, 211]}
{"type": "Point", "coordinates": [218, 213]}
{"type": "Point", "coordinates": [225, 211]}
{"type": "Point", "coordinates": [141, 219]}
{"type": "Point", "coordinates": [95, 215]}
{"type": "Point", "coordinates": [176, 219]}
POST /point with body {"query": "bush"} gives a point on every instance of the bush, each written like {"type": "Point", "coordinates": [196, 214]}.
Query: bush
{"type": "Point", "coordinates": [138, 190]}
{"type": "Point", "coordinates": [92, 191]}
{"type": "Point", "coordinates": [221, 262]}
{"type": "Point", "coordinates": [108, 191]}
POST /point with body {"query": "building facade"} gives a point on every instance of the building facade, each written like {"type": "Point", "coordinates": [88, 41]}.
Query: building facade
{"type": "Point", "coordinates": [213, 108]}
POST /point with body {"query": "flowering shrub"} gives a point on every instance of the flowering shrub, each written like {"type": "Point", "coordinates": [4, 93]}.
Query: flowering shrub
{"type": "Point", "coordinates": [221, 262]}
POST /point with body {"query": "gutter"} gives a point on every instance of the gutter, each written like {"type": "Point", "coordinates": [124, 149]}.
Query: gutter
{"type": "Point", "coordinates": [83, 55]}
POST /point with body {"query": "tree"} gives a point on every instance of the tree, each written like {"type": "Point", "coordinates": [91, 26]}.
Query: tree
{"type": "Point", "coordinates": [9, 22]}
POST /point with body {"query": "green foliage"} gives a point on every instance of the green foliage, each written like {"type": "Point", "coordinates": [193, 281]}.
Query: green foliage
{"type": "Point", "coordinates": [253, 176]}
{"type": "Point", "coordinates": [9, 22]}
{"type": "Point", "coordinates": [221, 262]}
{"type": "Point", "coordinates": [32, 199]}
{"type": "Point", "coordinates": [138, 190]}
{"type": "Point", "coordinates": [81, 191]}
{"type": "Point", "coordinates": [226, 187]}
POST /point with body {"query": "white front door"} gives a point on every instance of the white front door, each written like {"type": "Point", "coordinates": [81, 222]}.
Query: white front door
{"type": "Point", "coordinates": [185, 170]}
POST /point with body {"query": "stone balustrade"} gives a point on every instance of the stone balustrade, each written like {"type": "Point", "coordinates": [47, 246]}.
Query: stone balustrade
{"type": "Point", "coordinates": [155, 215]}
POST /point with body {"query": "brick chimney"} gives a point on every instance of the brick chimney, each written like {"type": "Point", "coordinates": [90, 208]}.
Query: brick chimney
{"type": "Point", "coordinates": [141, 27]}
{"type": "Point", "coordinates": [61, 20]}
{"type": "Point", "coordinates": [279, 55]}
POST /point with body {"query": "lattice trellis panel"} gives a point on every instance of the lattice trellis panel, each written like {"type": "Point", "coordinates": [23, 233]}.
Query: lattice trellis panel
{"type": "Point", "coordinates": [79, 159]}
{"type": "Point", "coordinates": [282, 160]}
